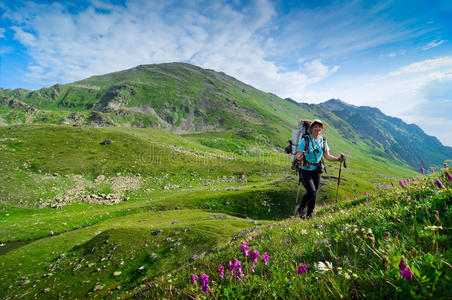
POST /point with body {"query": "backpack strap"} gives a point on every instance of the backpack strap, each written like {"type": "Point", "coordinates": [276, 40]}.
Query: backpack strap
{"type": "Point", "coordinates": [306, 142]}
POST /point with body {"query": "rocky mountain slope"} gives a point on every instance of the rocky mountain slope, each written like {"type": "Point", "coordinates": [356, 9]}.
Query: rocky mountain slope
{"type": "Point", "coordinates": [401, 141]}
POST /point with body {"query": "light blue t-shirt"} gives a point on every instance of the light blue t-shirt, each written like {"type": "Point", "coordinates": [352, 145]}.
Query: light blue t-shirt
{"type": "Point", "coordinates": [311, 157]}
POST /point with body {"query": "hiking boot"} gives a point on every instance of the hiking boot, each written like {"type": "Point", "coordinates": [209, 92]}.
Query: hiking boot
{"type": "Point", "coordinates": [310, 216]}
{"type": "Point", "coordinates": [302, 212]}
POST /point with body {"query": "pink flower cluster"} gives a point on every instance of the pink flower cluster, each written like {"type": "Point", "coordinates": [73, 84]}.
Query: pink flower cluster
{"type": "Point", "coordinates": [221, 270]}
{"type": "Point", "coordinates": [405, 270]}
{"type": "Point", "coordinates": [203, 280]}
{"type": "Point", "coordinates": [265, 258]}
{"type": "Point", "coordinates": [449, 176]}
{"type": "Point", "coordinates": [235, 266]}
{"type": "Point", "coordinates": [439, 184]}
{"type": "Point", "coordinates": [302, 268]}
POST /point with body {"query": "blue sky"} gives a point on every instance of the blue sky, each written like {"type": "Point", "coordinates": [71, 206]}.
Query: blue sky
{"type": "Point", "coordinates": [394, 55]}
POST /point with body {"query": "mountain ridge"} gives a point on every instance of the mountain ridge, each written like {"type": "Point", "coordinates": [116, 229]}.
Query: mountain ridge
{"type": "Point", "coordinates": [185, 99]}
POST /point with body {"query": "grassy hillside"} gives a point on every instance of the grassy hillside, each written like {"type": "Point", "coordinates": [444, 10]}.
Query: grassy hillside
{"type": "Point", "coordinates": [99, 199]}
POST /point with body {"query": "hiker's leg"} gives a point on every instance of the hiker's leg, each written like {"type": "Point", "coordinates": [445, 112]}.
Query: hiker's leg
{"type": "Point", "coordinates": [308, 184]}
{"type": "Point", "coordinates": [316, 183]}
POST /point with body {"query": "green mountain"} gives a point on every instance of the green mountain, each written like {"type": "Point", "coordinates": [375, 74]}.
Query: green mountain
{"type": "Point", "coordinates": [190, 100]}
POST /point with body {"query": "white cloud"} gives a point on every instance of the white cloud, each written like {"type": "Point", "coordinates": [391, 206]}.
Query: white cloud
{"type": "Point", "coordinates": [2, 32]}
{"type": "Point", "coordinates": [70, 46]}
{"type": "Point", "coordinates": [442, 63]}
{"type": "Point", "coordinates": [420, 92]}
{"type": "Point", "coordinates": [319, 70]}
{"type": "Point", "coordinates": [433, 44]}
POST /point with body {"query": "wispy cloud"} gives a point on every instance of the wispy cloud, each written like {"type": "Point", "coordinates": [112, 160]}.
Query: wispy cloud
{"type": "Point", "coordinates": [2, 33]}
{"type": "Point", "coordinates": [102, 38]}
{"type": "Point", "coordinates": [420, 92]}
{"type": "Point", "coordinates": [433, 44]}
{"type": "Point", "coordinates": [241, 41]}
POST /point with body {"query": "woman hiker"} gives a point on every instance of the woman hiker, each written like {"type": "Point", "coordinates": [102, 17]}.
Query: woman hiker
{"type": "Point", "coordinates": [312, 166]}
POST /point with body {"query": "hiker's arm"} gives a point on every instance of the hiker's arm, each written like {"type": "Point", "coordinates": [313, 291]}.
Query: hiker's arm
{"type": "Point", "coordinates": [333, 158]}
{"type": "Point", "coordinates": [299, 155]}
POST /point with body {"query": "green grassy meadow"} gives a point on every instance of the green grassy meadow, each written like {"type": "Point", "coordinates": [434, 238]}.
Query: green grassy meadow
{"type": "Point", "coordinates": [139, 216]}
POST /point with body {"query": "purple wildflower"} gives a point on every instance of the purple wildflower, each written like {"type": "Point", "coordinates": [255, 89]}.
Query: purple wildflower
{"type": "Point", "coordinates": [245, 249]}
{"type": "Point", "coordinates": [365, 194]}
{"type": "Point", "coordinates": [449, 176]}
{"type": "Point", "coordinates": [254, 255]}
{"type": "Point", "coordinates": [346, 198]}
{"type": "Point", "coordinates": [439, 184]}
{"type": "Point", "coordinates": [402, 265]}
{"type": "Point", "coordinates": [302, 268]}
{"type": "Point", "coordinates": [407, 273]}
{"type": "Point", "coordinates": [254, 238]}
{"type": "Point", "coordinates": [393, 185]}
{"type": "Point", "coordinates": [334, 203]}
{"type": "Point", "coordinates": [422, 170]}
{"type": "Point", "coordinates": [245, 246]}
{"type": "Point", "coordinates": [253, 267]}
{"type": "Point", "coordinates": [204, 282]}
{"type": "Point", "coordinates": [265, 258]}
{"type": "Point", "coordinates": [401, 183]}
{"type": "Point", "coordinates": [221, 270]}
{"type": "Point", "coordinates": [234, 265]}
{"type": "Point", "coordinates": [231, 267]}
{"type": "Point", "coordinates": [194, 278]}
{"type": "Point", "coordinates": [239, 273]}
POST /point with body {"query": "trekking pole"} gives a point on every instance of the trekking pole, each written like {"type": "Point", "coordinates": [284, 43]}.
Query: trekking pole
{"type": "Point", "coordinates": [296, 201]}
{"type": "Point", "coordinates": [339, 177]}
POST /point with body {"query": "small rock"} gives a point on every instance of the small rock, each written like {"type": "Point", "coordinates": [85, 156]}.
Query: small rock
{"type": "Point", "coordinates": [98, 288]}
{"type": "Point", "coordinates": [107, 142]}
{"type": "Point", "coordinates": [174, 223]}
{"type": "Point", "coordinates": [193, 258]}
{"type": "Point", "coordinates": [99, 178]}
{"type": "Point", "coordinates": [77, 267]}
{"type": "Point", "coordinates": [55, 174]}
{"type": "Point", "coordinates": [157, 232]}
